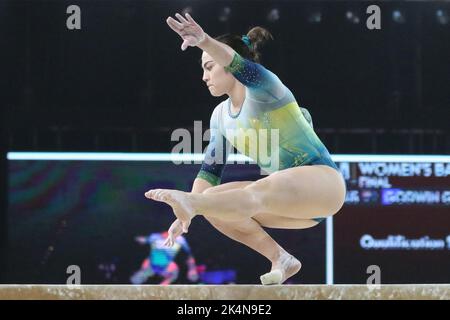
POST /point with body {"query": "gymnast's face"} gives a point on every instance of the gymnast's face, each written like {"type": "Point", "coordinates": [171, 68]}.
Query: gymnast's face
{"type": "Point", "coordinates": [218, 80]}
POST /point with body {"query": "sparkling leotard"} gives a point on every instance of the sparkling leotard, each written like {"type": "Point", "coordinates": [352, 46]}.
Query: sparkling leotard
{"type": "Point", "coordinates": [268, 105]}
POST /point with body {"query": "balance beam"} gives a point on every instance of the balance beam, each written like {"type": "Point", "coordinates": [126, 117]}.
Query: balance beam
{"type": "Point", "coordinates": [225, 292]}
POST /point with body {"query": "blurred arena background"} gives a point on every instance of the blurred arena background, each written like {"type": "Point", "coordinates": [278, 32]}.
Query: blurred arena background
{"type": "Point", "coordinates": [87, 117]}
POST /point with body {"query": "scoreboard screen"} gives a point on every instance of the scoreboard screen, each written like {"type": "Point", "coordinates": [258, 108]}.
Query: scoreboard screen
{"type": "Point", "coordinates": [396, 217]}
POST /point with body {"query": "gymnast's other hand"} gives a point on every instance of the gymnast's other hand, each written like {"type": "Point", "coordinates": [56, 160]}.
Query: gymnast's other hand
{"type": "Point", "coordinates": [191, 33]}
{"type": "Point", "coordinates": [141, 240]}
{"type": "Point", "coordinates": [175, 230]}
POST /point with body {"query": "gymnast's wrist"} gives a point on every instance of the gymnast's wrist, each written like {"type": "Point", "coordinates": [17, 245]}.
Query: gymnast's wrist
{"type": "Point", "coordinates": [191, 262]}
{"type": "Point", "coordinates": [205, 42]}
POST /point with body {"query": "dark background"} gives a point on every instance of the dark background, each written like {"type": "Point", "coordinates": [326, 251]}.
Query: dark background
{"type": "Point", "coordinates": [87, 213]}
{"type": "Point", "coordinates": [123, 83]}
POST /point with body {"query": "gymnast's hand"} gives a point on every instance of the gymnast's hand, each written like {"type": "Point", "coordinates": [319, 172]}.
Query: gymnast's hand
{"type": "Point", "coordinates": [175, 230]}
{"type": "Point", "coordinates": [188, 30]}
{"type": "Point", "coordinates": [141, 240]}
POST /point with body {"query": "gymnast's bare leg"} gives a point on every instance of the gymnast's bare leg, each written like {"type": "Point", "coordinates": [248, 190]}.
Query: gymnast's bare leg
{"type": "Point", "coordinates": [250, 233]}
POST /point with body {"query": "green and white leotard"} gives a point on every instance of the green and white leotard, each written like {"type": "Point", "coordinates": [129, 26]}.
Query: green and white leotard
{"type": "Point", "coordinates": [268, 105]}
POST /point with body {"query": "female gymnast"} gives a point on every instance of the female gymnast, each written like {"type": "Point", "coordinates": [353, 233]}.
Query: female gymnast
{"type": "Point", "coordinates": [305, 187]}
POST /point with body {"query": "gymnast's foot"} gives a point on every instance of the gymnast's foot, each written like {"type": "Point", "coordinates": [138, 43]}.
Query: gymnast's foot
{"type": "Point", "coordinates": [178, 200]}
{"type": "Point", "coordinates": [284, 268]}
